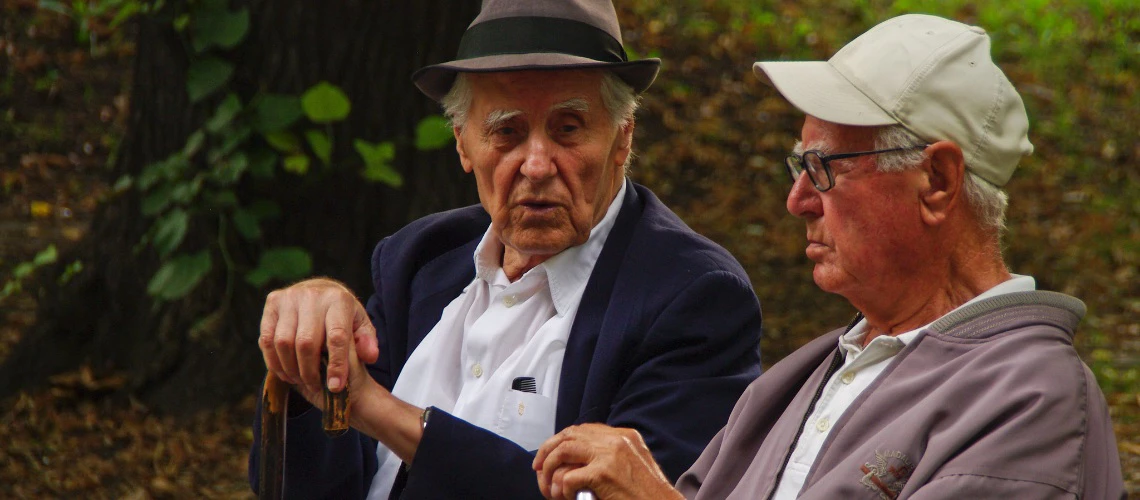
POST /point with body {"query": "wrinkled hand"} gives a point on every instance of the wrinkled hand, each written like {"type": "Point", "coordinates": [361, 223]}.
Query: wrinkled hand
{"type": "Point", "coordinates": [613, 462]}
{"type": "Point", "coordinates": [314, 315]}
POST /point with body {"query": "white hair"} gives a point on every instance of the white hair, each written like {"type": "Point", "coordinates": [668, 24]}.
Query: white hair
{"type": "Point", "coordinates": [987, 201]}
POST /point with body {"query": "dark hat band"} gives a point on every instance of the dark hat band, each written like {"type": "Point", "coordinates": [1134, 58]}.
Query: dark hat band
{"type": "Point", "coordinates": [526, 35]}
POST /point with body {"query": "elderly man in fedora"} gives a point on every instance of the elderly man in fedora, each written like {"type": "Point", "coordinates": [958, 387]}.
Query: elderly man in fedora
{"type": "Point", "coordinates": [957, 379]}
{"type": "Point", "coordinates": [569, 295]}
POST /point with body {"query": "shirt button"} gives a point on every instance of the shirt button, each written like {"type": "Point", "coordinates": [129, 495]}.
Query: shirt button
{"type": "Point", "coordinates": [522, 409]}
{"type": "Point", "coordinates": [510, 300]}
{"type": "Point", "coordinates": [848, 377]}
{"type": "Point", "coordinates": [477, 370]}
{"type": "Point", "coordinates": [822, 424]}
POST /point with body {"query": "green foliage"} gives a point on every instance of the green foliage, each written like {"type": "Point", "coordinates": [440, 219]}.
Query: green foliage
{"type": "Point", "coordinates": [245, 138]}
{"type": "Point", "coordinates": [378, 162]}
{"type": "Point", "coordinates": [179, 275]}
{"type": "Point", "coordinates": [433, 132]}
{"type": "Point", "coordinates": [170, 230]}
{"type": "Point", "coordinates": [325, 103]}
{"type": "Point", "coordinates": [25, 270]}
{"type": "Point", "coordinates": [320, 144]}
{"type": "Point", "coordinates": [285, 264]}
{"type": "Point", "coordinates": [87, 14]}
{"type": "Point", "coordinates": [275, 112]}
{"type": "Point", "coordinates": [214, 25]}
{"type": "Point", "coordinates": [207, 76]}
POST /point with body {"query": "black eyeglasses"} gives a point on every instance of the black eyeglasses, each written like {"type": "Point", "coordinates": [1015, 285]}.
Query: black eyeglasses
{"type": "Point", "coordinates": [816, 164]}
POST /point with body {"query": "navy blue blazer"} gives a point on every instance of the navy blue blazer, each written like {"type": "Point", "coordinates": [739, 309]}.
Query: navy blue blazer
{"type": "Point", "coordinates": [665, 341]}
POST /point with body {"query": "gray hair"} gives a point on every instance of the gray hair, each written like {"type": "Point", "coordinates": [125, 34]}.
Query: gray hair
{"type": "Point", "coordinates": [617, 96]}
{"type": "Point", "coordinates": [987, 201]}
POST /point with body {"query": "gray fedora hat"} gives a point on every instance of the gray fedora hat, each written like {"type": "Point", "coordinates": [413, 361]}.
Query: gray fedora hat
{"type": "Point", "coordinates": [514, 35]}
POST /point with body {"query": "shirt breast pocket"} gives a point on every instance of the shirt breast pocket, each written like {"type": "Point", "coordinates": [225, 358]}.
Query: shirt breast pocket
{"type": "Point", "coordinates": [526, 418]}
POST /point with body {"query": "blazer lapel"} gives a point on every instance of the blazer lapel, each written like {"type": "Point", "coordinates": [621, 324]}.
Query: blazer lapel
{"type": "Point", "coordinates": [592, 313]}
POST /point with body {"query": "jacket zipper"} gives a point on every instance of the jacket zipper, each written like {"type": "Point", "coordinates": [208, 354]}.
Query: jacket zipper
{"type": "Point", "coordinates": [836, 362]}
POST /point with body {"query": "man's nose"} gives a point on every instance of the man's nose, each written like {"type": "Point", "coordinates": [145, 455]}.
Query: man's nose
{"type": "Point", "coordinates": [803, 199]}
{"type": "Point", "coordinates": [539, 161]}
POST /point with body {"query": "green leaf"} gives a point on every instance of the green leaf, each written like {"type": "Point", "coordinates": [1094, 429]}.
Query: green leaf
{"type": "Point", "coordinates": [432, 133]}
{"type": "Point", "coordinates": [321, 145]}
{"type": "Point", "coordinates": [234, 139]}
{"type": "Point", "coordinates": [206, 76]}
{"type": "Point", "coordinates": [23, 270]}
{"type": "Point", "coordinates": [178, 276]}
{"type": "Point", "coordinates": [45, 256]}
{"type": "Point", "coordinates": [227, 110]}
{"type": "Point", "coordinates": [185, 191]}
{"type": "Point", "coordinates": [157, 201]}
{"type": "Point", "coordinates": [377, 162]}
{"type": "Point", "coordinates": [194, 144]}
{"type": "Point", "coordinates": [247, 224]}
{"type": "Point", "coordinates": [70, 271]}
{"type": "Point", "coordinates": [228, 171]}
{"type": "Point", "coordinates": [325, 103]}
{"type": "Point", "coordinates": [124, 183]}
{"type": "Point", "coordinates": [181, 22]}
{"type": "Point", "coordinates": [170, 230]}
{"type": "Point", "coordinates": [274, 112]}
{"type": "Point", "coordinates": [283, 141]}
{"type": "Point", "coordinates": [286, 263]}
{"type": "Point", "coordinates": [219, 27]}
{"type": "Point", "coordinates": [261, 162]}
{"type": "Point", "coordinates": [297, 164]}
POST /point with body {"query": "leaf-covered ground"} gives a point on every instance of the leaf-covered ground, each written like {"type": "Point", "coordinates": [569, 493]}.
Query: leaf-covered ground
{"type": "Point", "coordinates": [710, 140]}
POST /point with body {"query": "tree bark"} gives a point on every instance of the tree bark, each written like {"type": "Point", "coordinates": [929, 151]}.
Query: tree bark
{"type": "Point", "coordinates": [104, 318]}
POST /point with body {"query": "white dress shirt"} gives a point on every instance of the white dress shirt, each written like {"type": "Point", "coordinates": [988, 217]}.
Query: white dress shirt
{"type": "Point", "coordinates": [492, 333]}
{"type": "Point", "coordinates": [861, 366]}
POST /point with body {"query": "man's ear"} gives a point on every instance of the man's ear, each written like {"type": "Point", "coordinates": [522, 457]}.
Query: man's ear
{"type": "Point", "coordinates": [623, 143]}
{"type": "Point", "coordinates": [945, 170]}
{"type": "Point", "coordinates": [463, 158]}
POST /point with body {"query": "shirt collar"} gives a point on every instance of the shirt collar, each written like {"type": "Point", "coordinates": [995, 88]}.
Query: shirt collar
{"type": "Point", "coordinates": [568, 271]}
{"type": "Point", "coordinates": [852, 341]}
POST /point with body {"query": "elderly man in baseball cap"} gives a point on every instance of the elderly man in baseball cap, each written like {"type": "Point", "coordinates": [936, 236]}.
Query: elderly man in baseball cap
{"type": "Point", "coordinates": [957, 379]}
{"type": "Point", "coordinates": [569, 295]}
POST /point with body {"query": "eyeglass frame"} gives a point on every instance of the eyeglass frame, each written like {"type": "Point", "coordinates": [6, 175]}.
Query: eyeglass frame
{"type": "Point", "coordinates": [794, 172]}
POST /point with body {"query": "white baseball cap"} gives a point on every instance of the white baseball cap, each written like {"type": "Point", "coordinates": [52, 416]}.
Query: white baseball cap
{"type": "Point", "coordinates": [933, 76]}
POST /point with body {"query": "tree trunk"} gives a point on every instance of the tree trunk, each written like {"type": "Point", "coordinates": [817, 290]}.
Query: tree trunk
{"type": "Point", "coordinates": [104, 318]}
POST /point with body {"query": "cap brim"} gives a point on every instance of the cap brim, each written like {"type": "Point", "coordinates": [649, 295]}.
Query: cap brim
{"type": "Point", "coordinates": [435, 81]}
{"type": "Point", "coordinates": [817, 89]}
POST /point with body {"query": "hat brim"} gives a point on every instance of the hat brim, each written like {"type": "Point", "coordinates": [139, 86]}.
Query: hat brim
{"type": "Point", "coordinates": [817, 89]}
{"type": "Point", "coordinates": [435, 81]}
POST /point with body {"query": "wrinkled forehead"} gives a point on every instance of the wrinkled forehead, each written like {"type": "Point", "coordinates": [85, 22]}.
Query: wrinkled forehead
{"type": "Point", "coordinates": [529, 88]}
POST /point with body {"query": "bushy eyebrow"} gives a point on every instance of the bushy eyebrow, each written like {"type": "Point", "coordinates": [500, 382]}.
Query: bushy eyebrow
{"type": "Point", "coordinates": [576, 104]}
{"type": "Point", "coordinates": [499, 116]}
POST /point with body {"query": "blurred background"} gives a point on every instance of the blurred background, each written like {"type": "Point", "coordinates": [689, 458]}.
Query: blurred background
{"type": "Point", "coordinates": [163, 165]}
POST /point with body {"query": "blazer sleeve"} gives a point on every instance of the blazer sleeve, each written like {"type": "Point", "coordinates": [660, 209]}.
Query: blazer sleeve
{"type": "Point", "coordinates": [694, 362]}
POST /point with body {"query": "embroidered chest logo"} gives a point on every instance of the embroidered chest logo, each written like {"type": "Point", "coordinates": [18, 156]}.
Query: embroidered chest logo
{"type": "Point", "coordinates": [887, 474]}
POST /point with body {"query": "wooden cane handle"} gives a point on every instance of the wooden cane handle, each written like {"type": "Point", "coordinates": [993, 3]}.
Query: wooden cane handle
{"type": "Point", "coordinates": [274, 405]}
{"type": "Point", "coordinates": [271, 473]}
{"type": "Point", "coordinates": [335, 417]}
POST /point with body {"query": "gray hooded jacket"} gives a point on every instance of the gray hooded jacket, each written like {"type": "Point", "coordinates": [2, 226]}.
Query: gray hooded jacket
{"type": "Point", "coordinates": [990, 401]}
